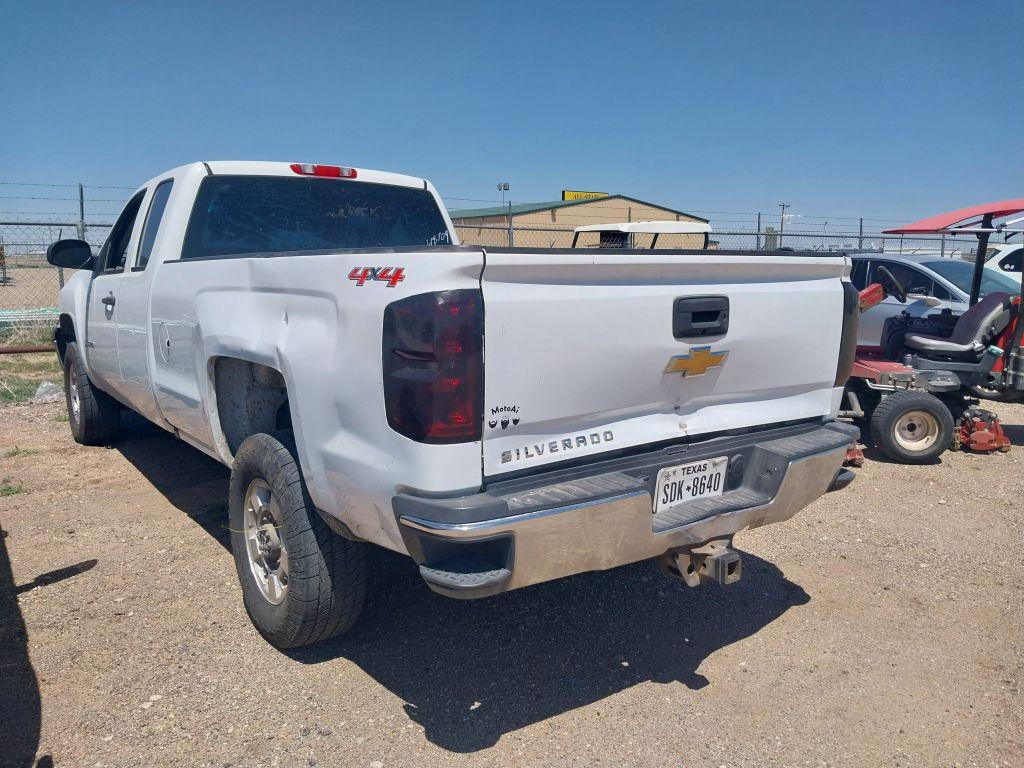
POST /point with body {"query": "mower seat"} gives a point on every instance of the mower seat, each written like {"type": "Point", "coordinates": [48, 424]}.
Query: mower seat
{"type": "Point", "coordinates": [974, 331]}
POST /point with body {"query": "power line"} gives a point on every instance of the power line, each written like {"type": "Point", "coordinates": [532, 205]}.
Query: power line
{"type": "Point", "coordinates": [68, 186]}
{"type": "Point", "coordinates": [73, 214]}
{"type": "Point", "coordinates": [73, 199]}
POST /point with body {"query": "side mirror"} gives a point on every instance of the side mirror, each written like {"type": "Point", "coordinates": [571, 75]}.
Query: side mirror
{"type": "Point", "coordinates": [930, 301]}
{"type": "Point", "coordinates": [72, 254]}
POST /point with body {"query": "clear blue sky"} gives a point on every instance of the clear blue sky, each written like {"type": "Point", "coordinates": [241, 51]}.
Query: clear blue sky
{"type": "Point", "coordinates": [874, 108]}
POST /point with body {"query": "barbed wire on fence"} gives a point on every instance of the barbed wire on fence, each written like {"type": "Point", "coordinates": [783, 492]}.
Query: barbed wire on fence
{"type": "Point", "coordinates": [731, 239]}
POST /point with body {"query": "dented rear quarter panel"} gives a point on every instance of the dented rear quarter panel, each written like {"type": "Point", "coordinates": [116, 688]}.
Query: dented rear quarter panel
{"type": "Point", "coordinates": [301, 315]}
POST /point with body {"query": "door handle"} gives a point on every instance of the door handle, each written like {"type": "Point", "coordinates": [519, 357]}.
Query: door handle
{"type": "Point", "coordinates": [109, 300]}
{"type": "Point", "coordinates": [700, 316]}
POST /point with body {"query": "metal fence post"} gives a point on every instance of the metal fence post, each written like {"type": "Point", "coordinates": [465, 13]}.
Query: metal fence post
{"type": "Point", "coordinates": [942, 246]}
{"type": "Point", "coordinates": [758, 248]}
{"type": "Point", "coordinates": [81, 212]}
{"type": "Point", "coordinates": [860, 236]}
{"type": "Point", "coordinates": [511, 237]}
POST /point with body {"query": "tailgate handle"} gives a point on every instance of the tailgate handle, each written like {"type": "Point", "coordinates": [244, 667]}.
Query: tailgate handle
{"type": "Point", "coordinates": [700, 316]}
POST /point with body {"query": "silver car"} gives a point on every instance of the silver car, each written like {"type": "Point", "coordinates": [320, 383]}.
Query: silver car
{"type": "Point", "coordinates": [932, 284]}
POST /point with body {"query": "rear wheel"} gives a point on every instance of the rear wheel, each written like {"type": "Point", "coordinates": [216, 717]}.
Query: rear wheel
{"type": "Point", "coordinates": [912, 427]}
{"type": "Point", "coordinates": [996, 395]}
{"type": "Point", "coordinates": [301, 582]}
{"type": "Point", "coordinates": [93, 415]}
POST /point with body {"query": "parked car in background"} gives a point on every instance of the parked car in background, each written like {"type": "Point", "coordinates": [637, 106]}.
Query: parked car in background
{"type": "Point", "coordinates": [1005, 257]}
{"type": "Point", "coordinates": [932, 285]}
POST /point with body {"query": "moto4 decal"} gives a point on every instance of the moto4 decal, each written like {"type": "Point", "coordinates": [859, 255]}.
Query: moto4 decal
{"type": "Point", "coordinates": [505, 415]}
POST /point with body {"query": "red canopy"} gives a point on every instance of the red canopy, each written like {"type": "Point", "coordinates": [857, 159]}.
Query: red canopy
{"type": "Point", "coordinates": [944, 221]}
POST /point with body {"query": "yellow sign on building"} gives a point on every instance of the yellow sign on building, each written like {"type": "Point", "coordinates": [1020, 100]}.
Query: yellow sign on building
{"type": "Point", "coordinates": [575, 194]}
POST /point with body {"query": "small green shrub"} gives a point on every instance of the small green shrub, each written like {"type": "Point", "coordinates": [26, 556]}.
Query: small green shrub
{"type": "Point", "coordinates": [16, 451]}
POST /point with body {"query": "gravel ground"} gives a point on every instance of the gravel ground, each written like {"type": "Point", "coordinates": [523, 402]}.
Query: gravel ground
{"type": "Point", "coordinates": [882, 626]}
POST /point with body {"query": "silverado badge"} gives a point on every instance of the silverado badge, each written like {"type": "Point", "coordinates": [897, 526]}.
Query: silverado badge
{"type": "Point", "coordinates": [696, 362]}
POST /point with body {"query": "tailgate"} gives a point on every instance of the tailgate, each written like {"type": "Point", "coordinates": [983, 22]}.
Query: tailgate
{"type": "Point", "coordinates": [582, 355]}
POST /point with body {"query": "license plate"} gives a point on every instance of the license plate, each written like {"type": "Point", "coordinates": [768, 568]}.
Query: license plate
{"type": "Point", "coordinates": [688, 482]}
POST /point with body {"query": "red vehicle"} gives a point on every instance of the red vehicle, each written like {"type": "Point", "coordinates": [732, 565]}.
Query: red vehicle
{"type": "Point", "coordinates": [914, 391]}
{"type": "Point", "coordinates": [982, 348]}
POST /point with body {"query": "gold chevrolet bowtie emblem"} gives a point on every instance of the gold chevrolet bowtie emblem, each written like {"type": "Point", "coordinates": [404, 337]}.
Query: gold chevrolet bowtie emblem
{"type": "Point", "coordinates": [696, 362]}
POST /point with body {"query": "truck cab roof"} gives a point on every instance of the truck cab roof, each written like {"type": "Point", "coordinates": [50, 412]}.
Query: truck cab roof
{"type": "Point", "coordinates": [275, 168]}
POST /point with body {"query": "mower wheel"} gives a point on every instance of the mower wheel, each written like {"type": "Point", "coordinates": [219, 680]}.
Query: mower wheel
{"type": "Point", "coordinates": [996, 395]}
{"type": "Point", "coordinates": [912, 427]}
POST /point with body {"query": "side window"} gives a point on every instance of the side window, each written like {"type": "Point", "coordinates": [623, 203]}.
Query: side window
{"type": "Point", "coordinates": [919, 283]}
{"type": "Point", "coordinates": [115, 250]}
{"type": "Point", "coordinates": [859, 275]}
{"type": "Point", "coordinates": [1011, 261]}
{"type": "Point", "coordinates": [941, 293]}
{"type": "Point", "coordinates": [153, 219]}
{"type": "Point", "coordinates": [912, 279]}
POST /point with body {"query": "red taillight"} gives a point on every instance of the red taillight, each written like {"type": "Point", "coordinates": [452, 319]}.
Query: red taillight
{"type": "Point", "coordinates": [327, 171]}
{"type": "Point", "coordinates": [433, 366]}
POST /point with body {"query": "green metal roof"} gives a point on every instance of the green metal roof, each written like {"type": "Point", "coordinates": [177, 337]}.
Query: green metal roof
{"type": "Point", "coordinates": [502, 210]}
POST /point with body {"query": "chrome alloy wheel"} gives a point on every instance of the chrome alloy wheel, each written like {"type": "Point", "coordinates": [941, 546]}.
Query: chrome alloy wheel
{"type": "Point", "coordinates": [268, 557]}
{"type": "Point", "coordinates": [76, 404]}
{"type": "Point", "coordinates": [917, 431]}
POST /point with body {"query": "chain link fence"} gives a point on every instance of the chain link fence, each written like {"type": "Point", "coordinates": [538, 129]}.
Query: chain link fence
{"type": "Point", "coordinates": [28, 285]}
{"type": "Point", "coordinates": [745, 240]}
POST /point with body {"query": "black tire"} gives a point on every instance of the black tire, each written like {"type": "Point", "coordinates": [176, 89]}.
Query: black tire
{"type": "Point", "coordinates": [912, 427]}
{"type": "Point", "coordinates": [97, 418]}
{"type": "Point", "coordinates": [326, 574]}
{"type": "Point", "coordinates": [995, 395]}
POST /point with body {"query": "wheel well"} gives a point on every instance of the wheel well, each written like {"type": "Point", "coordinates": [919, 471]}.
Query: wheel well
{"type": "Point", "coordinates": [64, 333]}
{"type": "Point", "coordinates": [251, 398]}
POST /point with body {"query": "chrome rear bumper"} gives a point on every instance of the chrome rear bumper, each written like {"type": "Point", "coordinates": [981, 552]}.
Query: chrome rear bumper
{"type": "Point", "coordinates": [601, 517]}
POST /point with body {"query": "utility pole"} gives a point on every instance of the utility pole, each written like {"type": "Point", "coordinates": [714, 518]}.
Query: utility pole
{"type": "Point", "coordinates": [782, 218]}
{"type": "Point", "coordinates": [503, 188]}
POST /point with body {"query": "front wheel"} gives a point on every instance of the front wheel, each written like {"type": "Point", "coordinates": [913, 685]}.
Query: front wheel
{"type": "Point", "coordinates": [301, 582]}
{"type": "Point", "coordinates": [93, 415]}
{"type": "Point", "coordinates": [912, 427]}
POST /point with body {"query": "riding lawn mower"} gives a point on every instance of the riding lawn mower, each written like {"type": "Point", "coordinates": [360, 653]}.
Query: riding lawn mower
{"type": "Point", "coordinates": [919, 391]}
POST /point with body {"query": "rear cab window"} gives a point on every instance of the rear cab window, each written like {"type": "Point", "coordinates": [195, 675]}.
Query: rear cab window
{"type": "Point", "coordinates": [237, 215]}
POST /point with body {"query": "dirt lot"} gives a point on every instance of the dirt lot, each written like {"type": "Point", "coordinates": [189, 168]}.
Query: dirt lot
{"type": "Point", "coordinates": [883, 626]}
{"type": "Point", "coordinates": [31, 287]}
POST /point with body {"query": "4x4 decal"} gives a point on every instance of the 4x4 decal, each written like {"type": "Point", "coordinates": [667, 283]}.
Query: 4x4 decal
{"type": "Point", "coordinates": [390, 275]}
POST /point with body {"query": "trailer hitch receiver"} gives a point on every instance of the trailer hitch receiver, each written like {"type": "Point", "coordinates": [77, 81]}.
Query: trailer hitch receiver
{"type": "Point", "coordinates": [713, 561]}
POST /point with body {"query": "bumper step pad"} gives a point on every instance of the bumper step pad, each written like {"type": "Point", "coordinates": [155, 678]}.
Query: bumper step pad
{"type": "Point", "coordinates": [465, 574]}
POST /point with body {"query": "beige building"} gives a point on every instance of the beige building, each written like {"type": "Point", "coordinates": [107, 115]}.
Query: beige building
{"type": "Point", "coordinates": [551, 225]}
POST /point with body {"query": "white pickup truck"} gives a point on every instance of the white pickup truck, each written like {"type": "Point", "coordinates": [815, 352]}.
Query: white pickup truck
{"type": "Point", "coordinates": [504, 416]}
